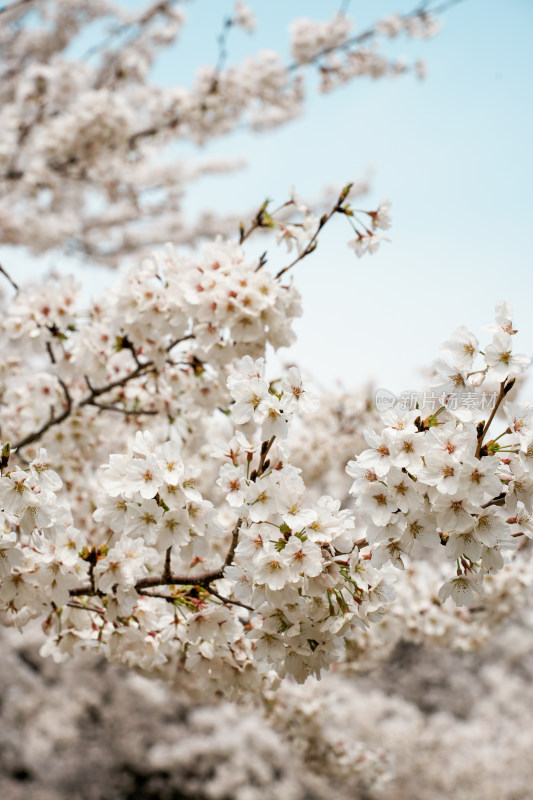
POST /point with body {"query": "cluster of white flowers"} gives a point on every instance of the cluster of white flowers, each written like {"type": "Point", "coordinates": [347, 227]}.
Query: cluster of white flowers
{"type": "Point", "coordinates": [438, 480]}
{"type": "Point", "coordinates": [81, 141]}
{"type": "Point", "coordinates": [166, 503]}
{"type": "Point", "coordinates": [239, 573]}
{"type": "Point", "coordinates": [311, 39]}
{"type": "Point", "coordinates": [343, 56]}
{"type": "Point", "coordinates": [428, 720]}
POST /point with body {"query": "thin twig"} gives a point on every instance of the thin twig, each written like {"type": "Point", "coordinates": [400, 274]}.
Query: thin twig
{"type": "Point", "coordinates": [127, 412]}
{"type": "Point", "coordinates": [82, 607]}
{"type": "Point", "coordinates": [227, 600]}
{"type": "Point", "coordinates": [14, 6]}
{"type": "Point", "coordinates": [504, 389]}
{"type": "Point", "coordinates": [4, 272]}
{"type": "Point", "coordinates": [369, 33]}
{"type": "Point", "coordinates": [53, 420]}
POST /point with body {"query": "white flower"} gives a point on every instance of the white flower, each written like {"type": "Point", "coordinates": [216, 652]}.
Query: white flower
{"type": "Point", "coordinates": [366, 243]}
{"type": "Point", "coordinates": [173, 529]}
{"type": "Point", "coordinates": [272, 569]}
{"type": "Point", "coordinates": [295, 395]}
{"type": "Point", "coordinates": [463, 348]}
{"type": "Point", "coordinates": [244, 17]}
{"type": "Point", "coordinates": [461, 590]}
{"type": "Point", "coordinates": [503, 319]}
{"type": "Point", "coordinates": [274, 421]}
{"type": "Point", "coordinates": [378, 458]}
{"type": "Point", "coordinates": [381, 217]}
{"type": "Point", "coordinates": [520, 419]}
{"type": "Point", "coordinates": [143, 475]}
{"type": "Point", "coordinates": [169, 457]}
{"type": "Point", "coordinates": [378, 503]}
{"type": "Point", "coordinates": [233, 483]}
{"type": "Point", "coordinates": [500, 359]}
{"type": "Point", "coordinates": [441, 471]}
{"type": "Point", "coordinates": [143, 520]}
{"type": "Point", "coordinates": [303, 558]}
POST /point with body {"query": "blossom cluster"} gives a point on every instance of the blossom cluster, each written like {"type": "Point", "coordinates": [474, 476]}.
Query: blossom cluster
{"type": "Point", "coordinates": [82, 139]}
{"type": "Point", "coordinates": [438, 480]}
{"type": "Point", "coordinates": [256, 576]}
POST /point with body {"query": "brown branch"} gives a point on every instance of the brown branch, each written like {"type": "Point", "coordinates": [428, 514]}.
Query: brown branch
{"type": "Point", "coordinates": [227, 601]}
{"type": "Point", "coordinates": [138, 372]}
{"type": "Point", "coordinates": [53, 420]}
{"type": "Point", "coordinates": [158, 596]}
{"type": "Point", "coordinates": [81, 607]}
{"type": "Point", "coordinates": [167, 568]}
{"type": "Point", "coordinates": [496, 501]}
{"type": "Point", "coordinates": [94, 392]}
{"type": "Point", "coordinates": [4, 272]}
{"type": "Point", "coordinates": [421, 10]}
{"type": "Point", "coordinates": [262, 219]}
{"type": "Point", "coordinates": [127, 412]}
{"type": "Point", "coordinates": [312, 243]}
{"type": "Point", "coordinates": [50, 352]}
{"type": "Point", "coordinates": [167, 579]}
{"type": "Point", "coordinates": [504, 389]}
{"type": "Point", "coordinates": [153, 131]}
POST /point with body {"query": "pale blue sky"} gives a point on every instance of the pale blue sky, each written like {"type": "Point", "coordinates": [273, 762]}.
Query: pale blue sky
{"type": "Point", "coordinates": [452, 153]}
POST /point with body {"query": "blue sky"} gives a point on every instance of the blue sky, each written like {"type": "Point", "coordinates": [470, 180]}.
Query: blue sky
{"type": "Point", "coordinates": [452, 153]}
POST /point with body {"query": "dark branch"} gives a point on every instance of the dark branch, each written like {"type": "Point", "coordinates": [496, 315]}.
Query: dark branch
{"type": "Point", "coordinates": [167, 579]}
{"type": "Point", "coordinates": [4, 272]}
{"type": "Point", "coordinates": [94, 392]}
{"type": "Point", "coordinates": [53, 420]}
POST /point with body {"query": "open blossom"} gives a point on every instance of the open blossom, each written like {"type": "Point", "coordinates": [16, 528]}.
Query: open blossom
{"type": "Point", "coordinates": [124, 564]}
{"type": "Point", "coordinates": [441, 471]}
{"type": "Point", "coordinates": [249, 390]}
{"type": "Point", "coordinates": [462, 347]}
{"type": "Point", "coordinates": [379, 503]}
{"type": "Point", "coordinates": [272, 569]}
{"type": "Point", "coordinates": [295, 393]}
{"type": "Point", "coordinates": [381, 218]}
{"type": "Point", "coordinates": [189, 517]}
{"type": "Point", "coordinates": [15, 492]}
{"type": "Point", "coordinates": [302, 557]}
{"type": "Point", "coordinates": [379, 457]}
{"type": "Point", "coordinates": [503, 319]}
{"type": "Point", "coordinates": [461, 589]}
{"type": "Point", "coordinates": [366, 243]}
{"type": "Point", "coordinates": [520, 419]}
{"type": "Point", "coordinates": [274, 420]}
{"type": "Point", "coordinates": [244, 16]}
{"type": "Point", "coordinates": [143, 475]}
{"type": "Point", "coordinates": [233, 482]}
{"type": "Point", "coordinates": [500, 359]}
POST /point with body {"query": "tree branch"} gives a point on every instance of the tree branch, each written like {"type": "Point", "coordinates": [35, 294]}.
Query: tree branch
{"type": "Point", "coordinates": [167, 579]}
{"type": "Point", "coordinates": [4, 272]}
{"type": "Point", "coordinates": [15, 6]}
{"type": "Point", "coordinates": [89, 400]}
{"type": "Point", "coordinates": [312, 243]}
{"type": "Point", "coordinates": [53, 420]}
{"type": "Point", "coordinates": [504, 389]}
